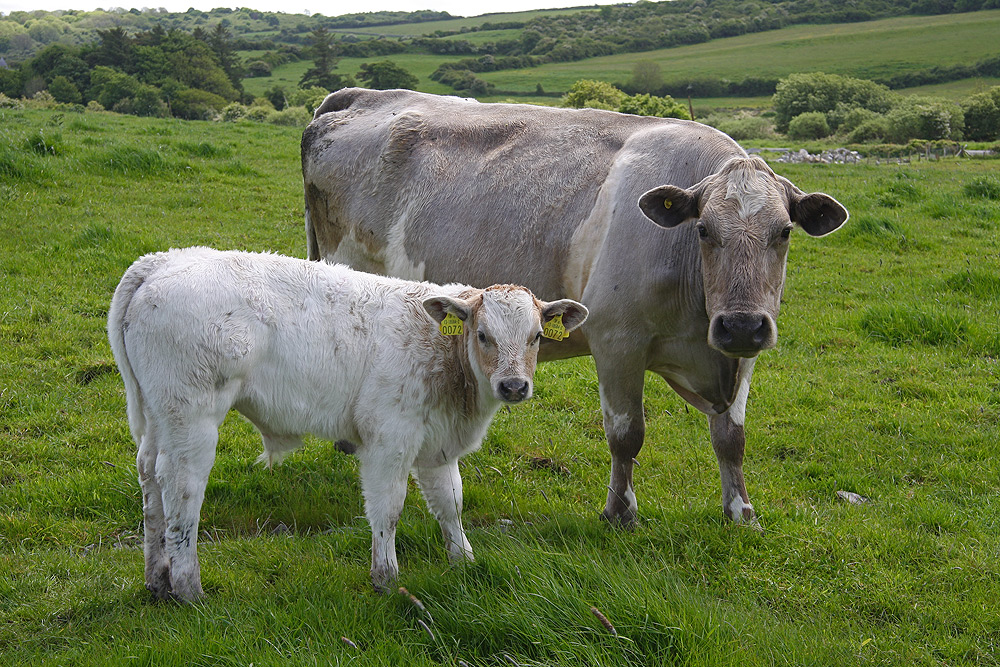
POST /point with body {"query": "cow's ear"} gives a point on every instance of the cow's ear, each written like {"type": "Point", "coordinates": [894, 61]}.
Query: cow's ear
{"type": "Point", "coordinates": [573, 314]}
{"type": "Point", "coordinates": [817, 213]}
{"type": "Point", "coordinates": [438, 307]}
{"type": "Point", "coordinates": [669, 206]}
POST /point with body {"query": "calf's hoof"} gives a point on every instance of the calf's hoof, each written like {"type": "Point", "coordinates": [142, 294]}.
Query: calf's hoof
{"type": "Point", "coordinates": [625, 519]}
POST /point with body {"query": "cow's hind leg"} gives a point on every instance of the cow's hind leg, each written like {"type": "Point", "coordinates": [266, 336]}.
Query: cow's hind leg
{"type": "Point", "coordinates": [182, 472]}
{"type": "Point", "coordinates": [153, 520]}
{"type": "Point", "coordinates": [625, 428]}
{"type": "Point", "coordinates": [442, 489]}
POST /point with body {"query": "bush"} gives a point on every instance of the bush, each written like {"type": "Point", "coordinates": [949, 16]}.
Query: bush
{"type": "Point", "coordinates": [650, 105]}
{"type": "Point", "coordinates": [800, 93]}
{"type": "Point", "coordinates": [234, 112]}
{"type": "Point", "coordinates": [982, 115]}
{"type": "Point", "coordinates": [195, 104]}
{"type": "Point", "coordinates": [742, 128]}
{"type": "Point", "coordinates": [808, 126]}
{"type": "Point", "coordinates": [290, 117]}
{"type": "Point", "coordinates": [258, 68]}
{"type": "Point", "coordinates": [10, 103]}
{"type": "Point", "coordinates": [922, 118]}
{"type": "Point", "coordinates": [65, 91]}
{"type": "Point", "coordinates": [870, 131]}
{"type": "Point", "coordinates": [594, 95]}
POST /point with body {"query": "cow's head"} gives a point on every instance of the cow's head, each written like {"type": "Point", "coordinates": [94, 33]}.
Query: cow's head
{"type": "Point", "coordinates": [745, 214]}
{"type": "Point", "coordinates": [503, 327]}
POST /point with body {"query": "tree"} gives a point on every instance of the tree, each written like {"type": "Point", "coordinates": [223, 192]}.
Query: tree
{"type": "Point", "coordinates": [386, 75]}
{"type": "Point", "coordinates": [221, 43]}
{"type": "Point", "coordinates": [116, 50]}
{"type": "Point", "coordinates": [64, 90]}
{"type": "Point", "coordinates": [321, 73]}
{"type": "Point", "coordinates": [650, 105]}
{"type": "Point", "coordinates": [799, 93]}
{"type": "Point", "coordinates": [646, 78]}
{"type": "Point", "coordinates": [982, 115]}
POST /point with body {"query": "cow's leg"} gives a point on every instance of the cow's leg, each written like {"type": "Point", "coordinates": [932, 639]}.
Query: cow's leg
{"type": "Point", "coordinates": [729, 441]}
{"type": "Point", "coordinates": [442, 489]}
{"type": "Point", "coordinates": [153, 522]}
{"type": "Point", "coordinates": [182, 469]}
{"type": "Point", "coordinates": [624, 425]}
{"type": "Point", "coordinates": [384, 471]}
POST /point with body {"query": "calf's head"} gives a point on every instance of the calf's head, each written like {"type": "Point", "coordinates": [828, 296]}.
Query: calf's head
{"type": "Point", "coordinates": [503, 326]}
{"type": "Point", "coordinates": [744, 216]}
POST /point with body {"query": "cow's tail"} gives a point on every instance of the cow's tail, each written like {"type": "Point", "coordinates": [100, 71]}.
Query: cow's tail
{"type": "Point", "coordinates": [130, 283]}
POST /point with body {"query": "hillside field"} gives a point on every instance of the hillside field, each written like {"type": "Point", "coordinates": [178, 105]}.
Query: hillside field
{"type": "Point", "coordinates": [884, 383]}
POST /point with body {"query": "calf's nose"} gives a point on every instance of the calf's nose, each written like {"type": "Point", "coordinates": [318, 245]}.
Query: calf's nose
{"type": "Point", "coordinates": [514, 390]}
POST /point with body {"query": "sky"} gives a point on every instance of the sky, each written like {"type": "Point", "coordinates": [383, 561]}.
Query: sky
{"type": "Point", "coordinates": [327, 7]}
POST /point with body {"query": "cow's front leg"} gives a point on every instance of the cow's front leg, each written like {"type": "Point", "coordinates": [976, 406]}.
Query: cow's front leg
{"type": "Point", "coordinates": [625, 428]}
{"type": "Point", "coordinates": [442, 489]}
{"type": "Point", "coordinates": [383, 482]}
{"type": "Point", "coordinates": [729, 442]}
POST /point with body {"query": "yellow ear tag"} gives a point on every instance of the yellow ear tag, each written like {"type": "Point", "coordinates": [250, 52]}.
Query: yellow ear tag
{"type": "Point", "coordinates": [667, 203]}
{"type": "Point", "coordinates": [451, 325]}
{"type": "Point", "coordinates": [554, 328]}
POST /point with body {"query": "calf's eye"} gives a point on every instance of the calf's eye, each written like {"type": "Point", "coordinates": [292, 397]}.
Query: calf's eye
{"type": "Point", "coordinates": [786, 232]}
{"type": "Point", "coordinates": [702, 232]}
{"type": "Point", "coordinates": [482, 337]}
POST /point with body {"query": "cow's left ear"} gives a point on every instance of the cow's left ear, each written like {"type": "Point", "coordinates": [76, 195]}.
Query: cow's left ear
{"type": "Point", "coordinates": [669, 205]}
{"type": "Point", "coordinates": [573, 314]}
{"type": "Point", "coordinates": [817, 213]}
{"type": "Point", "coordinates": [438, 307]}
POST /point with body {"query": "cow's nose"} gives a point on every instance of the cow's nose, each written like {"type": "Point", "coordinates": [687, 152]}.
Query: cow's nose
{"type": "Point", "coordinates": [514, 390]}
{"type": "Point", "coordinates": [742, 334]}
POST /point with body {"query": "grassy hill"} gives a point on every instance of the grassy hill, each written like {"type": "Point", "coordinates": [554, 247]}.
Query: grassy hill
{"type": "Point", "coordinates": [870, 49]}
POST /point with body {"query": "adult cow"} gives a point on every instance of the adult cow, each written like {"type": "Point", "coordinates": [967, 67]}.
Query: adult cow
{"type": "Point", "coordinates": [440, 188]}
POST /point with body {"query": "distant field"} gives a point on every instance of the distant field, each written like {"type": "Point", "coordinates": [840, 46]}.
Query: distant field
{"type": "Point", "coordinates": [416, 29]}
{"type": "Point", "coordinates": [865, 50]}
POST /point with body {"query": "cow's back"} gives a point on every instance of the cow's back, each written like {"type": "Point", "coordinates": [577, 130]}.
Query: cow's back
{"type": "Point", "coordinates": [446, 189]}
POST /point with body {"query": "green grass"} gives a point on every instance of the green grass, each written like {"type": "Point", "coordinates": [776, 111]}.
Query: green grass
{"type": "Point", "coordinates": [864, 50]}
{"type": "Point", "coordinates": [884, 383]}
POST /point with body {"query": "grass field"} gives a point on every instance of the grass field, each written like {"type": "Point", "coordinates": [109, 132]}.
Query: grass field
{"type": "Point", "coordinates": [884, 383]}
{"type": "Point", "coordinates": [865, 50]}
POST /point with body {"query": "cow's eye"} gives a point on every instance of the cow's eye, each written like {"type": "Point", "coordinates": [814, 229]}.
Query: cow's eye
{"type": "Point", "coordinates": [786, 232]}
{"type": "Point", "coordinates": [482, 337]}
{"type": "Point", "coordinates": [538, 337]}
{"type": "Point", "coordinates": [702, 231]}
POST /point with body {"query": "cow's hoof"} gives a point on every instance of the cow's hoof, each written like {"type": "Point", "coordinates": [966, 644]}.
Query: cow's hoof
{"type": "Point", "coordinates": [625, 520]}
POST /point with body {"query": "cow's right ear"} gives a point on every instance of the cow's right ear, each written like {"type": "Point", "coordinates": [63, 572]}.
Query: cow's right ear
{"type": "Point", "coordinates": [438, 307]}
{"type": "Point", "coordinates": [669, 205]}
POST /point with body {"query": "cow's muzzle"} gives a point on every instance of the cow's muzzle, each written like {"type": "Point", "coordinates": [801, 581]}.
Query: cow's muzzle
{"type": "Point", "coordinates": [513, 390]}
{"type": "Point", "coordinates": [742, 334]}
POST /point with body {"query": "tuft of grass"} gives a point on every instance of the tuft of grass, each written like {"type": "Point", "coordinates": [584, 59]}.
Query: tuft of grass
{"type": "Point", "coordinates": [42, 144]}
{"type": "Point", "coordinates": [898, 324]}
{"type": "Point", "coordinates": [984, 187]}
{"type": "Point", "coordinates": [979, 284]}
{"type": "Point", "coordinates": [134, 162]}
{"type": "Point", "coordinates": [203, 149]}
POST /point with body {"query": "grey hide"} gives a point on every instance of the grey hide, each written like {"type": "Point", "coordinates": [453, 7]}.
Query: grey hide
{"type": "Point", "coordinates": [665, 229]}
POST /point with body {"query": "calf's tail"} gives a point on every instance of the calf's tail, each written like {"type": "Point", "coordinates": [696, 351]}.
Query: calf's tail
{"type": "Point", "coordinates": [130, 283]}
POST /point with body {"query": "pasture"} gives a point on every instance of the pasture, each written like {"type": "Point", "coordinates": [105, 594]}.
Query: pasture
{"type": "Point", "coordinates": [884, 384]}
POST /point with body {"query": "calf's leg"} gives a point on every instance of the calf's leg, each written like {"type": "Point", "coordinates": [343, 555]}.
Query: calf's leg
{"type": "Point", "coordinates": [384, 473]}
{"type": "Point", "coordinates": [153, 521]}
{"type": "Point", "coordinates": [182, 469]}
{"type": "Point", "coordinates": [729, 442]}
{"type": "Point", "coordinates": [442, 489]}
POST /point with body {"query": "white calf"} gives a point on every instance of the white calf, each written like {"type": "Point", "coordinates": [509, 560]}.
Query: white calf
{"type": "Point", "coordinates": [298, 347]}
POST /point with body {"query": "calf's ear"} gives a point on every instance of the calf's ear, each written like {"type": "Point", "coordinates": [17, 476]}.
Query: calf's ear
{"type": "Point", "coordinates": [573, 314]}
{"type": "Point", "coordinates": [438, 307]}
{"type": "Point", "coordinates": [669, 205]}
{"type": "Point", "coordinates": [817, 213]}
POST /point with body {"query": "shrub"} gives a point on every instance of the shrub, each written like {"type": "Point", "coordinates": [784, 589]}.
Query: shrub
{"type": "Point", "coordinates": [743, 128]}
{"type": "Point", "coordinates": [10, 103]}
{"type": "Point", "coordinates": [195, 104]}
{"type": "Point", "coordinates": [258, 68]}
{"type": "Point", "coordinates": [870, 131]}
{"type": "Point", "coordinates": [809, 125]}
{"type": "Point", "coordinates": [290, 117]}
{"type": "Point", "coordinates": [922, 118]}
{"type": "Point", "coordinates": [65, 91]}
{"type": "Point", "coordinates": [234, 112]}
{"type": "Point", "coordinates": [982, 115]}
{"type": "Point", "coordinates": [594, 95]}
{"type": "Point", "coordinates": [799, 93]}
{"type": "Point", "coordinates": [650, 105]}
